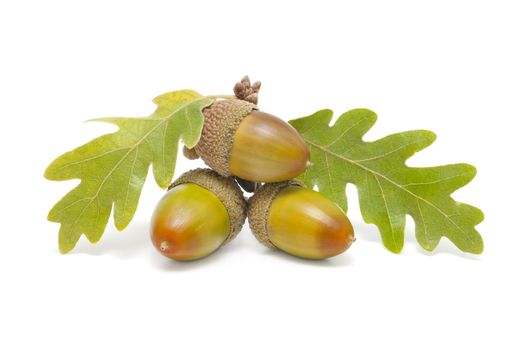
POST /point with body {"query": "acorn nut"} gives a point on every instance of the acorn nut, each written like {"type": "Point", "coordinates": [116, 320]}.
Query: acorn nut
{"type": "Point", "coordinates": [237, 139]}
{"type": "Point", "coordinates": [200, 212]}
{"type": "Point", "coordinates": [299, 221]}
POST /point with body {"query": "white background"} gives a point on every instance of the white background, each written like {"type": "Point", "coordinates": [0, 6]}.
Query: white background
{"type": "Point", "coordinates": [455, 67]}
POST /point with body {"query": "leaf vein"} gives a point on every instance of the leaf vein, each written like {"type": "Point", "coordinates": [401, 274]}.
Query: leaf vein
{"type": "Point", "coordinates": [329, 174]}
{"type": "Point", "coordinates": [130, 179]}
{"type": "Point", "coordinates": [423, 221]}
{"type": "Point", "coordinates": [387, 209]}
{"type": "Point", "coordinates": [344, 133]}
{"type": "Point", "coordinates": [436, 181]}
{"type": "Point", "coordinates": [91, 158]}
{"type": "Point", "coordinates": [384, 154]}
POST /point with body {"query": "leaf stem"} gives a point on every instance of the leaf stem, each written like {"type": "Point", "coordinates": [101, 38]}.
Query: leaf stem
{"type": "Point", "coordinates": [226, 97]}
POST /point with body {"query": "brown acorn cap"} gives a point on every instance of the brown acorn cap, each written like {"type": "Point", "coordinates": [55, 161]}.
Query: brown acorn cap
{"type": "Point", "coordinates": [222, 119]}
{"type": "Point", "coordinates": [227, 192]}
{"type": "Point", "coordinates": [259, 205]}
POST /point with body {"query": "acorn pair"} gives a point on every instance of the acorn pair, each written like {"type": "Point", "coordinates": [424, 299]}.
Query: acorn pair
{"type": "Point", "coordinates": [205, 209]}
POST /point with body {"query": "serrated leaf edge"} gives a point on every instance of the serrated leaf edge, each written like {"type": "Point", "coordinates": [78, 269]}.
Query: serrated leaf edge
{"type": "Point", "coordinates": [377, 175]}
{"type": "Point", "coordinates": [130, 149]}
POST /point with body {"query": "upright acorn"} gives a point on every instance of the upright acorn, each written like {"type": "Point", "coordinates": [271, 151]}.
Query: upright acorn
{"type": "Point", "coordinates": [200, 212]}
{"type": "Point", "coordinates": [238, 139]}
{"type": "Point", "coordinates": [299, 221]}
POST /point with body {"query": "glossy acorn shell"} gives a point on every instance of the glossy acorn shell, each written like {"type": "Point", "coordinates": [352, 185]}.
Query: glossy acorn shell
{"type": "Point", "coordinates": [189, 222]}
{"type": "Point", "coordinates": [299, 221]}
{"type": "Point", "coordinates": [267, 149]}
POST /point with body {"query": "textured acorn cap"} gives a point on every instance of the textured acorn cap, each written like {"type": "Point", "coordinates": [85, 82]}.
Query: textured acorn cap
{"type": "Point", "coordinates": [225, 189]}
{"type": "Point", "coordinates": [222, 119]}
{"type": "Point", "coordinates": [259, 205]}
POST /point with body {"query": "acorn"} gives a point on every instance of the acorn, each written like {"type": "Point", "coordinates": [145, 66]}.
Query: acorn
{"type": "Point", "coordinates": [200, 212]}
{"type": "Point", "coordinates": [239, 140]}
{"type": "Point", "coordinates": [299, 221]}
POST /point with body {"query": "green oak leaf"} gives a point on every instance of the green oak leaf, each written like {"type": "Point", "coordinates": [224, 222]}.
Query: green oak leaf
{"type": "Point", "coordinates": [113, 167]}
{"type": "Point", "coordinates": [388, 190]}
